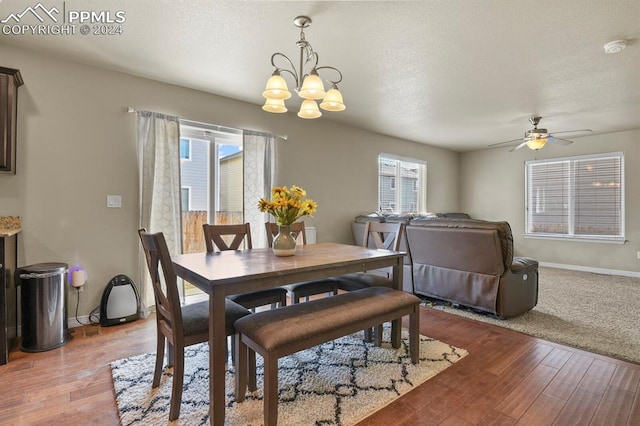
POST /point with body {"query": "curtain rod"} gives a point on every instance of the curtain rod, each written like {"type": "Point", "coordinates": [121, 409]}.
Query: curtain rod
{"type": "Point", "coordinates": [131, 109]}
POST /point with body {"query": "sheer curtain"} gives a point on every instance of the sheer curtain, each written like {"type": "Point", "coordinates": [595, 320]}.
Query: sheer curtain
{"type": "Point", "coordinates": [259, 174]}
{"type": "Point", "coordinates": [158, 141]}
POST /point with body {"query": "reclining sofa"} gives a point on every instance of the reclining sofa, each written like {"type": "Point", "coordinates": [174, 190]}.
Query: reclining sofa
{"type": "Point", "coordinates": [464, 261]}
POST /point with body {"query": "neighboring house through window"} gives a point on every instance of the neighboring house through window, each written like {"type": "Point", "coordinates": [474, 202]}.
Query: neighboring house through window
{"type": "Point", "coordinates": [211, 181]}
{"type": "Point", "coordinates": [576, 197]}
{"type": "Point", "coordinates": [401, 185]}
{"type": "Point", "coordinates": [211, 175]}
{"type": "Point", "coordinates": [211, 172]}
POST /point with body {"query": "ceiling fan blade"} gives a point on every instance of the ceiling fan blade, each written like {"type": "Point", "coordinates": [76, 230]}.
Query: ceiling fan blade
{"type": "Point", "coordinates": [572, 131]}
{"type": "Point", "coordinates": [559, 141]}
{"type": "Point", "coordinates": [519, 146]}
{"type": "Point", "coordinates": [505, 142]}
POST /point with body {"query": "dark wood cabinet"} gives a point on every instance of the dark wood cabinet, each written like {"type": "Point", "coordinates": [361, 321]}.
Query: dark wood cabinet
{"type": "Point", "coordinates": [10, 80]}
{"type": "Point", "coordinates": [8, 298]}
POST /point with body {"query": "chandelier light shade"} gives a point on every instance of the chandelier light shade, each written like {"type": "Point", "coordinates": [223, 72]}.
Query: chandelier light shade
{"type": "Point", "coordinates": [309, 109]}
{"type": "Point", "coordinates": [275, 105]}
{"type": "Point", "coordinates": [309, 85]}
{"type": "Point", "coordinates": [276, 87]}
{"type": "Point", "coordinates": [312, 87]}
{"type": "Point", "coordinates": [333, 100]}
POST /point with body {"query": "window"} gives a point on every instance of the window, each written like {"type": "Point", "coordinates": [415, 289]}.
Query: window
{"type": "Point", "coordinates": [211, 175]}
{"type": "Point", "coordinates": [185, 149]}
{"type": "Point", "coordinates": [399, 183]}
{"type": "Point", "coordinates": [576, 197]}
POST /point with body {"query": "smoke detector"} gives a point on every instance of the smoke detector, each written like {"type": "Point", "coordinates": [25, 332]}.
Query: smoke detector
{"type": "Point", "coordinates": [615, 46]}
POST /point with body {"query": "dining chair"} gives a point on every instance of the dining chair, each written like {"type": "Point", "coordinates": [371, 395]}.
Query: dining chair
{"type": "Point", "coordinates": [305, 288]}
{"type": "Point", "coordinates": [231, 237]}
{"type": "Point", "coordinates": [180, 326]}
{"type": "Point", "coordinates": [377, 235]}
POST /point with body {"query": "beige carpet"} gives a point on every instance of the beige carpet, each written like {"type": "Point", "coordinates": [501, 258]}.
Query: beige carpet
{"type": "Point", "coordinates": [598, 313]}
{"type": "Point", "coordinates": [337, 383]}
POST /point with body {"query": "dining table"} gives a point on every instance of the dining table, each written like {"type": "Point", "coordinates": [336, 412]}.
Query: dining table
{"type": "Point", "coordinates": [220, 274]}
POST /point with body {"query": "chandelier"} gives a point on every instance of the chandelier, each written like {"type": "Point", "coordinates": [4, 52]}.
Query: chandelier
{"type": "Point", "coordinates": [309, 86]}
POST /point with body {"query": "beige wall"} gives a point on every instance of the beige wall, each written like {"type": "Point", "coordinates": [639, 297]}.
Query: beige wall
{"type": "Point", "coordinates": [77, 145]}
{"type": "Point", "coordinates": [338, 166]}
{"type": "Point", "coordinates": [492, 187]}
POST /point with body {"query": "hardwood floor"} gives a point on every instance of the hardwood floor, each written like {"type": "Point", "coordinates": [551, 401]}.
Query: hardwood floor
{"type": "Point", "coordinates": [508, 378]}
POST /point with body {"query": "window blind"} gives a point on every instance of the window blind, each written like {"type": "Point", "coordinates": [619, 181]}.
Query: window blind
{"type": "Point", "coordinates": [579, 197]}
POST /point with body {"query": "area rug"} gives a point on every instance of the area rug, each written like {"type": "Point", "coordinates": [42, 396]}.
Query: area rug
{"type": "Point", "coordinates": [336, 383]}
{"type": "Point", "coordinates": [595, 312]}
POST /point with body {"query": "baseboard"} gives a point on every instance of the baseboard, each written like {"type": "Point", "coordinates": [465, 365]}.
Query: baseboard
{"type": "Point", "coordinates": [71, 323]}
{"type": "Point", "coordinates": [86, 320]}
{"type": "Point", "coordinates": [78, 321]}
{"type": "Point", "coordinates": [603, 271]}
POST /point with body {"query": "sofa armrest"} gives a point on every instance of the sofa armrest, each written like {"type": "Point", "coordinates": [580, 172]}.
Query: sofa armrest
{"type": "Point", "coordinates": [522, 265]}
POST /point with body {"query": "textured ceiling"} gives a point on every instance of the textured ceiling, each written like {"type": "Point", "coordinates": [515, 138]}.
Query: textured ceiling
{"type": "Point", "coordinates": [458, 74]}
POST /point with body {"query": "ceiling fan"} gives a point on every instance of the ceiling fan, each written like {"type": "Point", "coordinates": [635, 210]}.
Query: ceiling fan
{"type": "Point", "coordinates": [537, 138]}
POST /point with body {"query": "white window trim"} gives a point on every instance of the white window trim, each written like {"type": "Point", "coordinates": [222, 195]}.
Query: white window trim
{"type": "Point", "coordinates": [571, 237]}
{"type": "Point", "coordinates": [188, 188]}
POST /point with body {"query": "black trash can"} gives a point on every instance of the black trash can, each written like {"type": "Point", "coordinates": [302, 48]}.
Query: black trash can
{"type": "Point", "coordinates": [43, 306]}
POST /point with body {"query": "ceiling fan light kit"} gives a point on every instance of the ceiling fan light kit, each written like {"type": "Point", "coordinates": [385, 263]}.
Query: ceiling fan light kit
{"type": "Point", "coordinates": [537, 144]}
{"type": "Point", "coordinates": [309, 85]}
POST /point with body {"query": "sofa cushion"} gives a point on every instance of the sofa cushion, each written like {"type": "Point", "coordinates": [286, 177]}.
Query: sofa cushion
{"type": "Point", "coordinates": [503, 229]}
{"type": "Point", "coordinates": [370, 217]}
{"type": "Point", "coordinates": [391, 217]}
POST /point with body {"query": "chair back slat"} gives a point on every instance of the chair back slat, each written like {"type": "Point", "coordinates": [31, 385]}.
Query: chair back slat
{"type": "Point", "coordinates": [167, 298]}
{"type": "Point", "coordinates": [296, 229]}
{"type": "Point", "coordinates": [227, 237]}
{"type": "Point", "coordinates": [385, 235]}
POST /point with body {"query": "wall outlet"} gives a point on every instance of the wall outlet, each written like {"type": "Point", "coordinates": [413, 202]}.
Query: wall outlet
{"type": "Point", "coordinates": [114, 201]}
{"type": "Point", "coordinates": [638, 255]}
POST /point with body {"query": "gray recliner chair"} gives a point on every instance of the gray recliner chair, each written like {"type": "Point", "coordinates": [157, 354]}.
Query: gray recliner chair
{"type": "Point", "coordinates": [471, 263]}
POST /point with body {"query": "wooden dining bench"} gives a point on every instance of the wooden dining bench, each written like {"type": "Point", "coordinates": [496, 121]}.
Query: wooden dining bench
{"type": "Point", "coordinates": [283, 331]}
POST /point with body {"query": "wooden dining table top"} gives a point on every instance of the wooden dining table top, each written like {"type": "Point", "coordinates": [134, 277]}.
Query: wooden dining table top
{"type": "Point", "coordinates": [234, 268]}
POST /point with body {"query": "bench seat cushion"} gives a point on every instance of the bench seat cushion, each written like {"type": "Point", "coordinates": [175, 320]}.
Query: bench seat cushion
{"type": "Point", "coordinates": [275, 328]}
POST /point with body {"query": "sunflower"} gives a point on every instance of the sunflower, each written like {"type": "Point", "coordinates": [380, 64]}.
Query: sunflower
{"type": "Point", "coordinates": [288, 205]}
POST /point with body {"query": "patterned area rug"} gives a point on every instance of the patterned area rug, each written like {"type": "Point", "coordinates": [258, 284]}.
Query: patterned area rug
{"type": "Point", "coordinates": [337, 383]}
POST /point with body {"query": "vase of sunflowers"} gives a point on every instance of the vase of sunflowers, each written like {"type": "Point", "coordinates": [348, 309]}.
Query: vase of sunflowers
{"type": "Point", "coordinates": [287, 205]}
{"type": "Point", "coordinates": [284, 244]}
